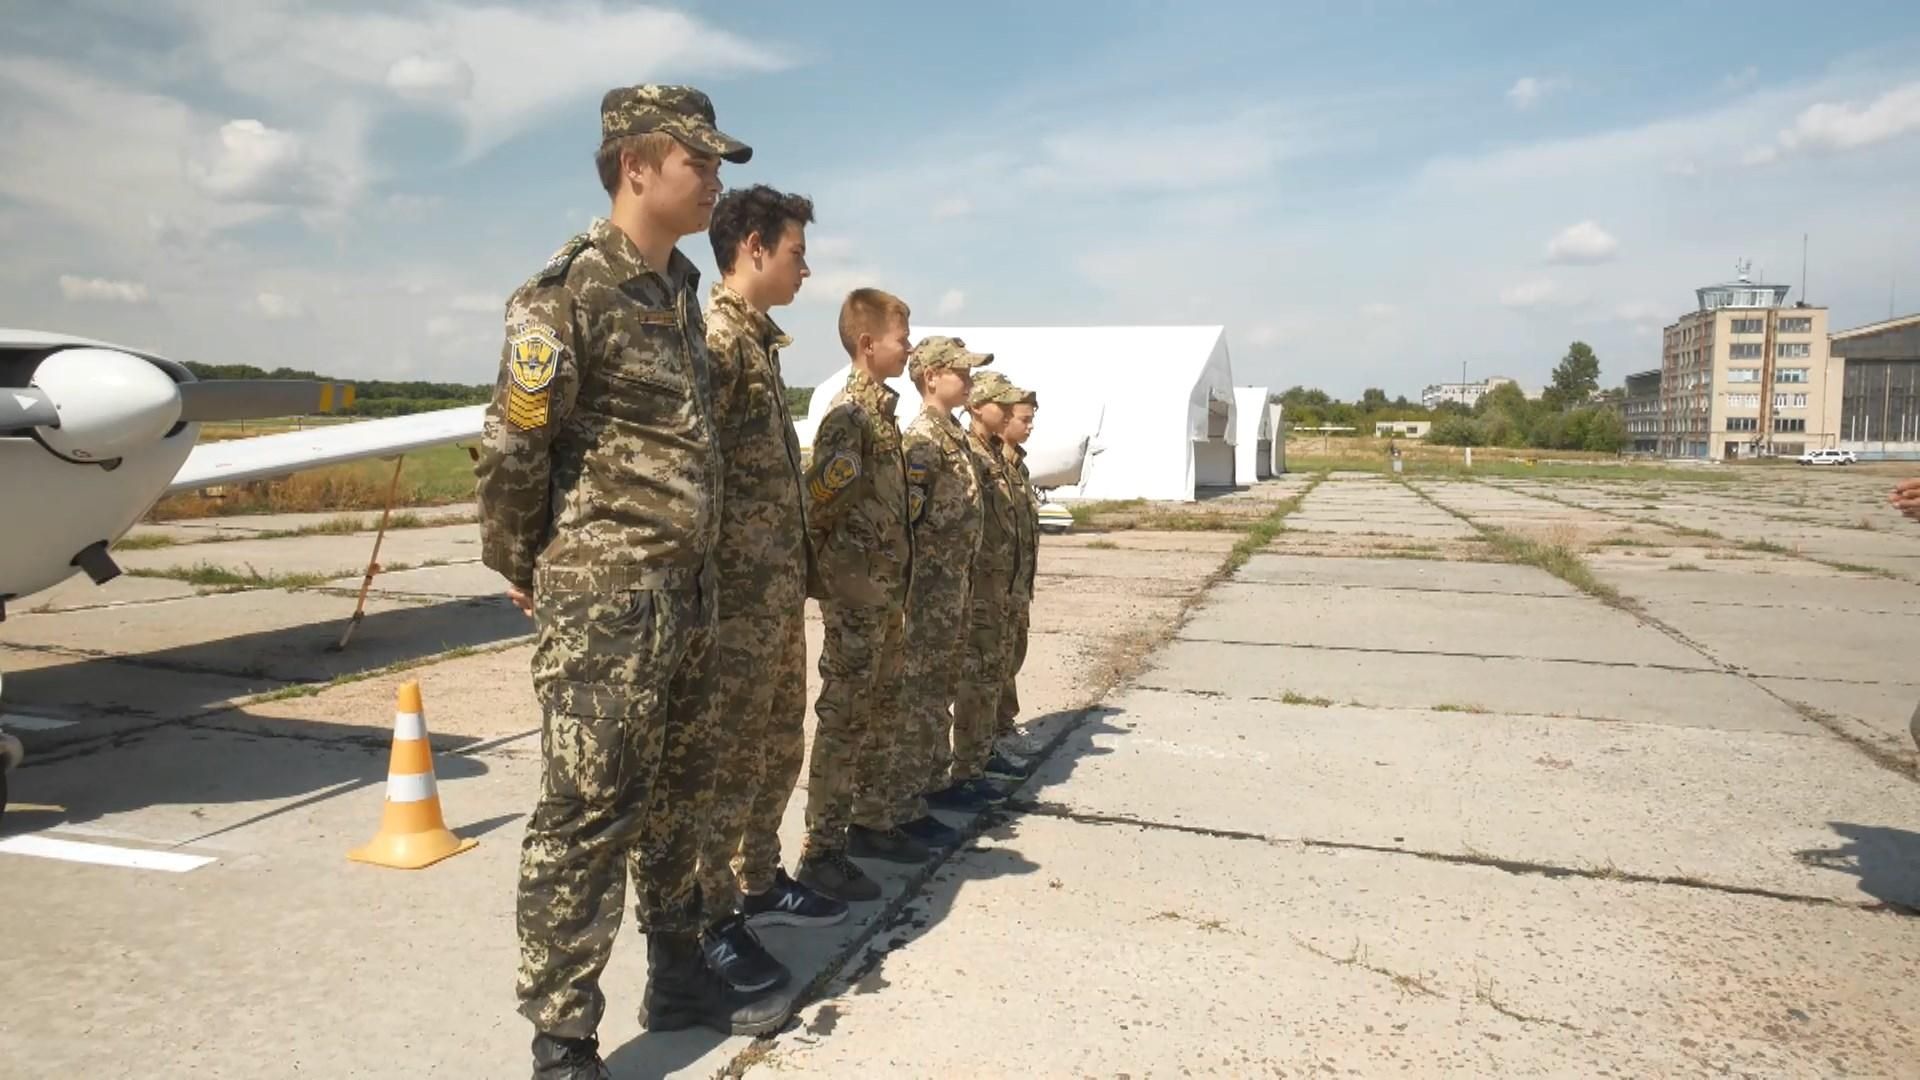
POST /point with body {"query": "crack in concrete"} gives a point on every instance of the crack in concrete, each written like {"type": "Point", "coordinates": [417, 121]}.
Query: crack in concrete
{"type": "Point", "coordinates": [1639, 665]}
{"type": "Point", "coordinates": [1517, 867]}
{"type": "Point", "coordinates": [1410, 588]}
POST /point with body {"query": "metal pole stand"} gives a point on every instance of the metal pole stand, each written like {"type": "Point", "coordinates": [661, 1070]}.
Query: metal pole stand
{"type": "Point", "coordinates": [373, 561]}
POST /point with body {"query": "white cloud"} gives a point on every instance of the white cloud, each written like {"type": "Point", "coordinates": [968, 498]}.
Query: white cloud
{"type": "Point", "coordinates": [253, 163]}
{"type": "Point", "coordinates": [829, 246]}
{"type": "Point", "coordinates": [1526, 92]}
{"type": "Point", "coordinates": [430, 78]}
{"type": "Point", "coordinates": [1530, 294]}
{"type": "Point", "coordinates": [1585, 242]}
{"type": "Point", "coordinates": [499, 70]}
{"type": "Point", "coordinates": [1740, 80]}
{"type": "Point", "coordinates": [1640, 311]}
{"type": "Point", "coordinates": [274, 305]}
{"type": "Point", "coordinates": [958, 206]}
{"type": "Point", "coordinates": [118, 292]}
{"type": "Point", "coordinates": [951, 302]}
{"type": "Point", "coordinates": [1848, 126]}
{"type": "Point", "coordinates": [1378, 310]}
{"type": "Point", "coordinates": [442, 326]}
{"type": "Point", "coordinates": [1167, 155]}
{"type": "Point", "coordinates": [1760, 155]}
{"type": "Point", "coordinates": [1263, 335]}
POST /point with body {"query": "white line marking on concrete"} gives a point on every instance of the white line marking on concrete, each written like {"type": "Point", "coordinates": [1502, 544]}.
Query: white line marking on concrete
{"type": "Point", "coordinates": [23, 722]}
{"type": "Point", "coordinates": [46, 847]}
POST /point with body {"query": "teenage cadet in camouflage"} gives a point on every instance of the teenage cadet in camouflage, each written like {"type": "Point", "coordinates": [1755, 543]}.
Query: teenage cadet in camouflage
{"type": "Point", "coordinates": [1026, 505]}
{"type": "Point", "coordinates": [760, 245]}
{"type": "Point", "coordinates": [857, 519]}
{"type": "Point", "coordinates": [598, 483]}
{"type": "Point", "coordinates": [943, 502]}
{"type": "Point", "coordinates": [976, 708]}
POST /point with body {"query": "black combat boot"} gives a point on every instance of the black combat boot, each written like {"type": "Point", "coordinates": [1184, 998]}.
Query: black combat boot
{"type": "Point", "coordinates": [682, 991]}
{"type": "Point", "coordinates": [832, 873]}
{"type": "Point", "coordinates": [932, 832]}
{"type": "Point", "coordinates": [891, 845]}
{"type": "Point", "coordinates": [555, 1058]}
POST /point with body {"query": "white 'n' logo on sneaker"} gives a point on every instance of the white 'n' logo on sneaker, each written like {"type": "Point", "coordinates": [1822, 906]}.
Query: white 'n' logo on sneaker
{"type": "Point", "coordinates": [791, 900]}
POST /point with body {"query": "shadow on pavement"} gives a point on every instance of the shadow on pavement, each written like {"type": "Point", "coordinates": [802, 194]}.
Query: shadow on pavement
{"type": "Point", "coordinates": [1886, 860]}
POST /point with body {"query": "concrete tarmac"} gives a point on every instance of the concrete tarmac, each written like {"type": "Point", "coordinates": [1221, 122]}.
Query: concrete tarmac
{"type": "Point", "coordinates": [1373, 803]}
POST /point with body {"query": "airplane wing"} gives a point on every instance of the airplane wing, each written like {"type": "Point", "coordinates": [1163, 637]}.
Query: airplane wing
{"type": "Point", "coordinates": [266, 456]}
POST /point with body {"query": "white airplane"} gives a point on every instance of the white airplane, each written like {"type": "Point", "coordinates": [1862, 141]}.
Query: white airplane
{"type": "Point", "coordinates": [93, 434]}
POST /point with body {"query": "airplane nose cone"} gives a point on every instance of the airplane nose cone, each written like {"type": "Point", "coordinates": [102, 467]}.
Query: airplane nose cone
{"type": "Point", "coordinates": [111, 403]}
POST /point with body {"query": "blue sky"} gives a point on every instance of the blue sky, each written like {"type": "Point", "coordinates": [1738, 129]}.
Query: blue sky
{"type": "Point", "coordinates": [1363, 194]}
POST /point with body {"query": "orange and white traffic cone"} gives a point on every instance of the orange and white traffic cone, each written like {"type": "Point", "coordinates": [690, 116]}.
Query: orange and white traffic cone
{"type": "Point", "coordinates": [412, 832]}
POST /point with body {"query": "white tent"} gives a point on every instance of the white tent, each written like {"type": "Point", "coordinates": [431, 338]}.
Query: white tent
{"type": "Point", "coordinates": [1157, 401]}
{"type": "Point", "coordinates": [1260, 450]}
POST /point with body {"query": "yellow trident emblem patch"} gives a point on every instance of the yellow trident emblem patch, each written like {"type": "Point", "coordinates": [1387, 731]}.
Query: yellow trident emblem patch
{"type": "Point", "coordinates": [533, 356]}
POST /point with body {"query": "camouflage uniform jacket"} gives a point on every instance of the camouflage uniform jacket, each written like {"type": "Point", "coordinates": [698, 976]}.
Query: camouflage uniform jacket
{"type": "Point", "coordinates": [598, 467]}
{"type": "Point", "coordinates": [762, 556]}
{"type": "Point", "coordinates": [943, 490]}
{"type": "Point", "coordinates": [999, 556]}
{"type": "Point", "coordinates": [857, 495]}
{"type": "Point", "coordinates": [1026, 518]}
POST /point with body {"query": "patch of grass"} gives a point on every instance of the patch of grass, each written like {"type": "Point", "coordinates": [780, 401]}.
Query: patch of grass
{"type": "Point", "coordinates": [143, 542]}
{"type": "Point", "coordinates": [1687, 566]}
{"type": "Point", "coordinates": [208, 576]}
{"type": "Point", "coordinates": [1556, 559]}
{"type": "Point", "coordinates": [1865, 525]}
{"type": "Point", "coordinates": [1766, 546]}
{"type": "Point", "coordinates": [1623, 541]}
{"type": "Point", "coordinates": [1103, 545]}
{"type": "Point", "coordinates": [1477, 710]}
{"type": "Point", "coordinates": [433, 477]}
{"type": "Point", "coordinates": [1856, 568]}
{"type": "Point", "coordinates": [1262, 531]}
{"type": "Point", "coordinates": [1085, 513]}
{"type": "Point", "coordinates": [1291, 698]}
{"type": "Point", "coordinates": [304, 690]}
{"type": "Point", "coordinates": [1210, 521]}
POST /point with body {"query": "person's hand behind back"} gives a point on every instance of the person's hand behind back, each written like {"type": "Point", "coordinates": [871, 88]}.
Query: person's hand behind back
{"type": "Point", "coordinates": [1906, 498]}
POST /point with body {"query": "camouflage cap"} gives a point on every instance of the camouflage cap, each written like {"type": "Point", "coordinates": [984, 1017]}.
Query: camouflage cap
{"type": "Point", "coordinates": [942, 354]}
{"type": "Point", "coordinates": [992, 388]}
{"type": "Point", "coordinates": [679, 111]}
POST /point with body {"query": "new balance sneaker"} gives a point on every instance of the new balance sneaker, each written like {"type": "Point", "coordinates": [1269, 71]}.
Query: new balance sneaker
{"type": "Point", "coordinates": [835, 875]}
{"type": "Point", "coordinates": [959, 797]}
{"type": "Point", "coordinates": [890, 845]}
{"type": "Point", "coordinates": [735, 954]}
{"type": "Point", "coordinates": [932, 832]}
{"type": "Point", "coordinates": [789, 903]}
{"type": "Point", "coordinates": [987, 791]}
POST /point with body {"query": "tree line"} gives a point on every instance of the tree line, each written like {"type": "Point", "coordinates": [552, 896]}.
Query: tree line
{"type": "Point", "coordinates": [372, 397]}
{"type": "Point", "coordinates": [1570, 414]}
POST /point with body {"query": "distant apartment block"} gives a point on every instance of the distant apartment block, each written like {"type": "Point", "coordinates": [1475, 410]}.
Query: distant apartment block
{"type": "Point", "coordinates": [1744, 376]}
{"type": "Point", "coordinates": [1406, 429]}
{"type": "Point", "coordinates": [1460, 393]}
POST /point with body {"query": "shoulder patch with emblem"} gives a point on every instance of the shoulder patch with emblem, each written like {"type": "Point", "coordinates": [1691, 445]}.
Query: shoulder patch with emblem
{"type": "Point", "coordinates": [916, 504]}
{"type": "Point", "coordinates": [841, 470]}
{"type": "Point", "coordinates": [533, 356]}
{"type": "Point", "coordinates": [916, 472]}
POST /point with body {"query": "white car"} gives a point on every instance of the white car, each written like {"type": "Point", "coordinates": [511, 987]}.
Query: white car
{"type": "Point", "coordinates": [1828, 457]}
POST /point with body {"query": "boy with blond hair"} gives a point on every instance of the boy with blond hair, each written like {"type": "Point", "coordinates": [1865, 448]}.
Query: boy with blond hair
{"type": "Point", "coordinates": [857, 518]}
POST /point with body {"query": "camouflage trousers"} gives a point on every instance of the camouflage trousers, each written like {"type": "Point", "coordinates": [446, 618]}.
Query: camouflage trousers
{"type": "Point", "coordinates": [983, 677]}
{"type": "Point", "coordinates": [623, 677]}
{"type": "Point", "coordinates": [860, 732]}
{"type": "Point", "coordinates": [1022, 606]}
{"type": "Point", "coordinates": [937, 621]}
{"type": "Point", "coordinates": [760, 708]}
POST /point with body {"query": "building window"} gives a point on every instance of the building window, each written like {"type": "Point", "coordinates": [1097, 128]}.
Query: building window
{"type": "Point", "coordinates": [1800, 325]}
{"type": "Point", "coordinates": [1743, 374]}
{"type": "Point", "coordinates": [1743, 401]}
{"type": "Point", "coordinates": [1746, 326]}
{"type": "Point", "coordinates": [1743, 423]}
{"type": "Point", "coordinates": [1790, 374]}
{"type": "Point", "coordinates": [1789, 401]}
{"type": "Point", "coordinates": [1797, 350]}
{"type": "Point", "coordinates": [1789, 449]}
{"type": "Point", "coordinates": [1746, 352]}
{"type": "Point", "coordinates": [1789, 423]}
